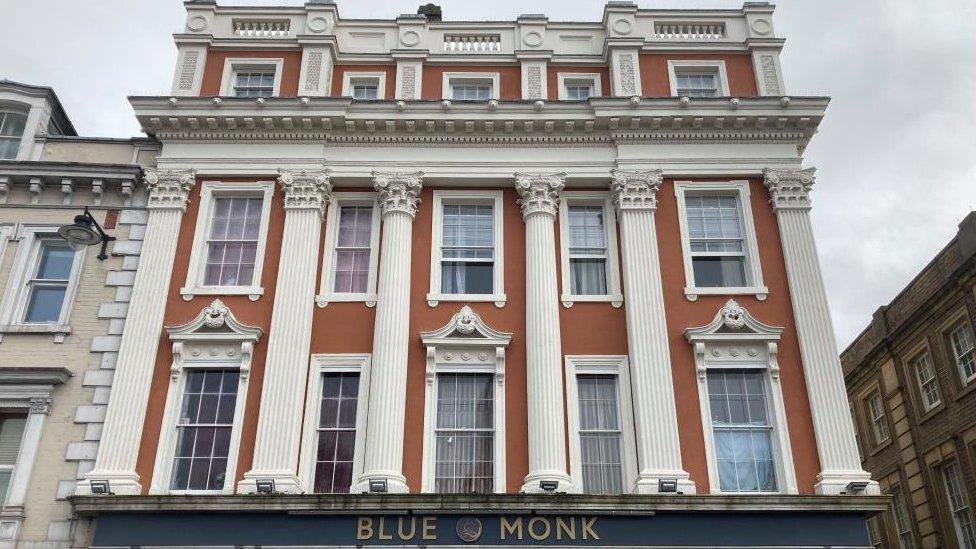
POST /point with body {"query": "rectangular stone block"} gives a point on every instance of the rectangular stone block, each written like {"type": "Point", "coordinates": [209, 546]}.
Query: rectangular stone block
{"type": "Point", "coordinates": [123, 293]}
{"type": "Point", "coordinates": [120, 278]}
{"type": "Point", "coordinates": [90, 414]}
{"type": "Point", "coordinates": [130, 263]}
{"type": "Point", "coordinates": [115, 326]}
{"type": "Point", "coordinates": [134, 217]}
{"type": "Point", "coordinates": [83, 468]}
{"type": "Point", "coordinates": [98, 378]}
{"type": "Point", "coordinates": [93, 431]}
{"type": "Point", "coordinates": [127, 247]}
{"type": "Point", "coordinates": [113, 310]}
{"type": "Point", "coordinates": [106, 344]}
{"type": "Point", "coordinates": [59, 530]}
{"type": "Point", "coordinates": [101, 395]}
{"type": "Point", "coordinates": [78, 451]}
{"type": "Point", "coordinates": [137, 232]}
{"type": "Point", "coordinates": [108, 361]}
{"type": "Point", "coordinates": [66, 488]}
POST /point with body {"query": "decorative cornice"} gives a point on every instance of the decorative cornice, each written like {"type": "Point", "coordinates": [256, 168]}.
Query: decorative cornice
{"type": "Point", "coordinates": [789, 189]}
{"type": "Point", "coordinates": [169, 189]}
{"type": "Point", "coordinates": [398, 191]}
{"type": "Point", "coordinates": [539, 192]}
{"type": "Point", "coordinates": [635, 190]}
{"type": "Point", "coordinates": [306, 190]}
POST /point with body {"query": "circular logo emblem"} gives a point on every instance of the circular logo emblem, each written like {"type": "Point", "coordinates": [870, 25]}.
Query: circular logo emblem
{"type": "Point", "coordinates": [468, 529]}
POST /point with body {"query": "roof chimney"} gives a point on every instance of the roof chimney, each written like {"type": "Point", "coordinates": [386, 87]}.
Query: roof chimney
{"type": "Point", "coordinates": [431, 11]}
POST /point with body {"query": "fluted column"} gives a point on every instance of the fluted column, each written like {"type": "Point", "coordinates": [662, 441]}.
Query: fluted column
{"type": "Point", "coordinates": [652, 388]}
{"type": "Point", "coordinates": [399, 195]}
{"type": "Point", "coordinates": [543, 361]}
{"type": "Point", "coordinates": [289, 337]}
{"type": "Point", "coordinates": [122, 430]}
{"type": "Point", "coordinates": [840, 465]}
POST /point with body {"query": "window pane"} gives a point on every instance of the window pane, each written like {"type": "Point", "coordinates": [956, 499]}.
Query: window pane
{"type": "Point", "coordinates": [719, 272]}
{"type": "Point", "coordinates": [600, 435]}
{"type": "Point", "coordinates": [204, 429]}
{"type": "Point", "coordinates": [742, 431]}
{"type": "Point", "coordinates": [232, 244]}
{"type": "Point", "coordinates": [11, 433]}
{"type": "Point", "coordinates": [464, 433]}
{"type": "Point", "coordinates": [467, 278]}
{"type": "Point", "coordinates": [336, 432]}
{"type": "Point", "coordinates": [697, 84]}
{"type": "Point", "coordinates": [254, 84]}
{"type": "Point", "coordinates": [12, 124]}
{"type": "Point", "coordinates": [44, 304]}
{"type": "Point", "coordinates": [56, 260]}
{"type": "Point", "coordinates": [589, 276]}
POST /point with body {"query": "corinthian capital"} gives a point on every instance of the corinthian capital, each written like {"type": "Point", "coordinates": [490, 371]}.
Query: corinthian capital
{"type": "Point", "coordinates": [306, 190]}
{"type": "Point", "coordinates": [398, 191]}
{"type": "Point", "coordinates": [635, 190]}
{"type": "Point", "coordinates": [169, 189]}
{"type": "Point", "coordinates": [789, 189]}
{"type": "Point", "coordinates": [539, 192]}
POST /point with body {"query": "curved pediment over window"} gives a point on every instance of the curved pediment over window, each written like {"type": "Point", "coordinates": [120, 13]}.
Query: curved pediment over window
{"type": "Point", "coordinates": [466, 328]}
{"type": "Point", "coordinates": [215, 321]}
{"type": "Point", "coordinates": [733, 321]}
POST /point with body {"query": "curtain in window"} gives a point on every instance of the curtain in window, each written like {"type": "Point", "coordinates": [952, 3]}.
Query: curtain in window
{"type": "Point", "coordinates": [715, 239]}
{"type": "Point", "coordinates": [587, 250]}
{"type": "Point", "coordinates": [464, 434]}
{"type": "Point", "coordinates": [468, 249]}
{"type": "Point", "coordinates": [742, 431]}
{"type": "Point", "coordinates": [11, 434]}
{"type": "Point", "coordinates": [352, 249]}
{"type": "Point", "coordinates": [600, 450]}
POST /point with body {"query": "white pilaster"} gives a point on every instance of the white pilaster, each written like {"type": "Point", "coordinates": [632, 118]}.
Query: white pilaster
{"type": "Point", "coordinates": [315, 77]}
{"type": "Point", "coordinates": [543, 364]}
{"type": "Point", "coordinates": [409, 77]}
{"type": "Point", "coordinates": [37, 412]}
{"type": "Point", "coordinates": [289, 337]}
{"type": "Point", "coordinates": [126, 411]}
{"type": "Point", "coordinates": [535, 83]}
{"type": "Point", "coordinates": [399, 194]}
{"type": "Point", "coordinates": [655, 416]}
{"type": "Point", "coordinates": [840, 465]}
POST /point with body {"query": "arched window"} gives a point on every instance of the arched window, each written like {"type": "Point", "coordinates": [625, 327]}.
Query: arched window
{"type": "Point", "coordinates": [11, 130]}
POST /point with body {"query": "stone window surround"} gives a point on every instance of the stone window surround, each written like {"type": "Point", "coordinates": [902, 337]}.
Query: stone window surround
{"type": "Point", "coordinates": [233, 65]}
{"type": "Point", "coordinates": [326, 293]}
{"type": "Point", "coordinates": [717, 67]}
{"type": "Point", "coordinates": [753, 264]}
{"type": "Point", "coordinates": [348, 78]}
{"type": "Point", "coordinates": [914, 353]}
{"type": "Point", "coordinates": [872, 444]}
{"type": "Point", "coordinates": [13, 305]}
{"type": "Point", "coordinates": [449, 77]}
{"type": "Point", "coordinates": [447, 196]}
{"type": "Point", "coordinates": [209, 191]}
{"type": "Point", "coordinates": [330, 363]}
{"type": "Point", "coordinates": [618, 366]}
{"type": "Point", "coordinates": [593, 77]}
{"type": "Point", "coordinates": [954, 319]}
{"type": "Point", "coordinates": [614, 293]}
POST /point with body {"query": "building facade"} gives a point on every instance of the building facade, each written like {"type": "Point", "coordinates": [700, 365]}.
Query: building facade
{"type": "Point", "coordinates": [508, 282]}
{"type": "Point", "coordinates": [910, 378]}
{"type": "Point", "coordinates": [61, 310]}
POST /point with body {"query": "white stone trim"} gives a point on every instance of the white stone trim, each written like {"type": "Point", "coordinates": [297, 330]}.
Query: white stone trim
{"type": "Point", "coordinates": [464, 344]}
{"type": "Point", "coordinates": [212, 340]}
{"type": "Point", "coordinates": [594, 77]}
{"type": "Point", "coordinates": [442, 197]}
{"type": "Point", "coordinates": [625, 77]}
{"type": "Point", "coordinates": [349, 76]}
{"type": "Point", "coordinates": [908, 358]}
{"type": "Point", "coordinates": [188, 75]}
{"type": "Point", "coordinates": [35, 400]}
{"type": "Point", "coordinates": [534, 79]}
{"type": "Point", "coordinates": [768, 71]}
{"type": "Point", "coordinates": [717, 66]}
{"type": "Point", "coordinates": [614, 293]}
{"type": "Point", "coordinates": [747, 344]}
{"type": "Point", "coordinates": [14, 303]}
{"type": "Point", "coordinates": [756, 286]}
{"type": "Point", "coordinates": [234, 64]}
{"type": "Point", "coordinates": [409, 79]}
{"type": "Point", "coordinates": [320, 364]}
{"type": "Point", "coordinates": [609, 365]}
{"type": "Point", "coordinates": [326, 294]}
{"type": "Point", "coordinates": [449, 77]}
{"type": "Point", "coordinates": [315, 76]}
{"type": "Point", "coordinates": [209, 191]}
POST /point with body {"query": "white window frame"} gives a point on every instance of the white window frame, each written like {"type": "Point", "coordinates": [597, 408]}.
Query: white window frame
{"type": "Point", "coordinates": [954, 511]}
{"type": "Point", "coordinates": [959, 321]}
{"type": "Point", "coordinates": [209, 192]}
{"type": "Point", "coordinates": [332, 363]}
{"type": "Point", "coordinates": [753, 267]}
{"type": "Point", "coordinates": [464, 345]}
{"type": "Point", "coordinates": [593, 77]}
{"type": "Point", "coordinates": [349, 78]}
{"type": "Point", "coordinates": [717, 66]}
{"type": "Point", "coordinates": [752, 346]}
{"type": "Point", "coordinates": [25, 262]}
{"type": "Point", "coordinates": [876, 440]}
{"type": "Point", "coordinates": [442, 197]}
{"type": "Point", "coordinates": [197, 346]}
{"type": "Point", "coordinates": [448, 79]}
{"type": "Point", "coordinates": [614, 293]}
{"type": "Point", "coordinates": [918, 353]}
{"type": "Point", "coordinates": [327, 293]}
{"type": "Point", "coordinates": [11, 109]}
{"type": "Point", "coordinates": [615, 365]}
{"type": "Point", "coordinates": [234, 65]}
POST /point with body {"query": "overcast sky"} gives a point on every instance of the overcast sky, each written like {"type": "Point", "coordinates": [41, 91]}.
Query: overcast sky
{"type": "Point", "coordinates": [895, 157]}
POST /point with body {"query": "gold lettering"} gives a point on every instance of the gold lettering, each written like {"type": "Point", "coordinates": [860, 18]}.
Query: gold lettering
{"type": "Point", "coordinates": [382, 534]}
{"type": "Point", "coordinates": [365, 528]}
{"type": "Point", "coordinates": [413, 528]}
{"type": "Point", "coordinates": [568, 526]}
{"type": "Point", "coordinates": [429, 525]}
{"type": "Point", "coordinates": [588, 525]}
{"type": "Point", "coordinates": [544, 534]}
{"type": "Point", "coordinates": [511, 527]}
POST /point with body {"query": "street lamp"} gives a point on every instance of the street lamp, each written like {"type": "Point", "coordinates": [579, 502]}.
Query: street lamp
{"type": "Point", "coordinates": [84, 232]}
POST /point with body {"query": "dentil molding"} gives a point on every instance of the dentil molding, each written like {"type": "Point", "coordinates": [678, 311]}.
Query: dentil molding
{"type": "Point", "coordinates": [169, 189]}
{"type": "Point", "coordinates": [789, 189]}
{"type": "Point", "coordinates": [398, 191]}
{"type": "Point", "coordinates": [539, 193]}
{"type": "Point", "coordinates": [635, 190]}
